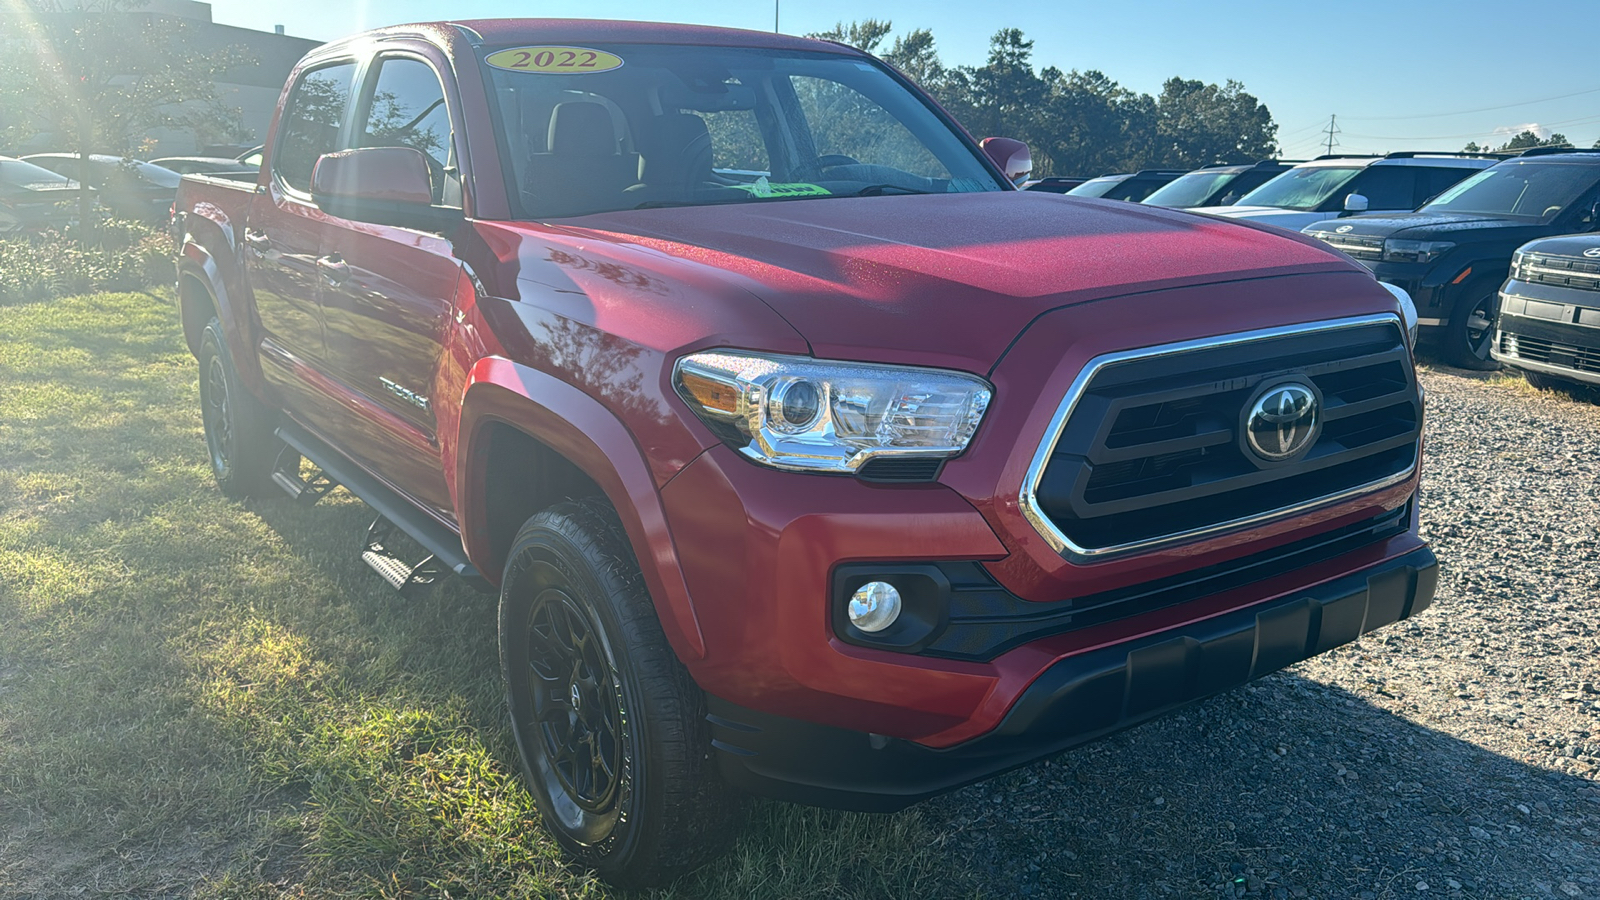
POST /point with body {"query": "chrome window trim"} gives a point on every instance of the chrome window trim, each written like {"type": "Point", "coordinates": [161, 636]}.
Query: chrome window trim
{"type": "Point", "coordinates": [1027, 497]}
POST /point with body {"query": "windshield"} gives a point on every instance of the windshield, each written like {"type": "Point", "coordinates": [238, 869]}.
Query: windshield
{"type": "Point", "coordinates": [1192, 189]}
{"type": "Point", "coordinates": [1098, 187]}
{"type": "Point", "coordinates": [634, 126]}
{"type": "Point", "coordinates": [1302, 188]}
{"type": "Point", "coordinates": [1529, 190]}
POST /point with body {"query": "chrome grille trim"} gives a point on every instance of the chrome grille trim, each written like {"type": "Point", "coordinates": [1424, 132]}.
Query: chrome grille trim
{"type": "Point", "coordinates": [1027, 497]}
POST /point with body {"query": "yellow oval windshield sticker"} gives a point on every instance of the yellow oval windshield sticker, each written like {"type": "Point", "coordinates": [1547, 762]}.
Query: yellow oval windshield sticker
{"type": "Point", "coordinates": [554, 60]}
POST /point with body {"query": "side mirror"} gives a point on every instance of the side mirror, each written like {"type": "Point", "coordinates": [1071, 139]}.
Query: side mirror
{"type": "Point", "coordinates": [1011, 155]}
{"type": "Point", "coordinates": [383, 186]}
{"type": "Point", "coordinates": [1355, 203]}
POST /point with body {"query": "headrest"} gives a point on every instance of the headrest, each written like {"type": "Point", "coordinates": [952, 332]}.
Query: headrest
{"type": "Point", "coordinates": [581, 127]}
{"type": "Point", "coordinates": [674, 147]}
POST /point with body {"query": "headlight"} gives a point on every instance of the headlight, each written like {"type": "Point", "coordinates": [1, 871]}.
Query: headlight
{"type": "Point", "coordinates": [1415, 251]}
{"type": "Point", "coordinates": [1408, 310]}
{"type": "Point", "coordinates": [1517, 259]}
{"type": "Point", "coordinates": [793, 412]}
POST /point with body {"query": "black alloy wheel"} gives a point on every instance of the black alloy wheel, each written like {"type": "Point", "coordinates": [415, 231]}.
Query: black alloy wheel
{"type": "Point", "coordinates": [1471, 330]}
{"type": "Point", "coordinates": [577, 710]}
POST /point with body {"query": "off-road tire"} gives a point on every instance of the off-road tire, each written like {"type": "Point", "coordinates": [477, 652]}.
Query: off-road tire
{"type": "Point", "coordinates": [667, 809]}
{"type": "Point", "coordinates": [240, 430]}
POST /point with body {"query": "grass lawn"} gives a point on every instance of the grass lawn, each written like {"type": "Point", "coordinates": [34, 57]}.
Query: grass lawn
{"type": "Point", "coordinates": [201, 697]}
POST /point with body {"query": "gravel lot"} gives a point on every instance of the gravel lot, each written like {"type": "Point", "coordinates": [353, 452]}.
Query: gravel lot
{"type": "Point", "coordinates": [1457, 754]}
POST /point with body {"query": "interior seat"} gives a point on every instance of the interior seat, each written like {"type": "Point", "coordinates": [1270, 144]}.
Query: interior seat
{"type": "Point", "coordinates": [674, 158]}
{"type": "Point", "coordinates": [583, 171]}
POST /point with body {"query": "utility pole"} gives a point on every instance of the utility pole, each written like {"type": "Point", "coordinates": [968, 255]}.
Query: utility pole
{"type": "Point", "coordinates": [1330, 131]}
{"type": "Point", "coordinates": [774, 16]}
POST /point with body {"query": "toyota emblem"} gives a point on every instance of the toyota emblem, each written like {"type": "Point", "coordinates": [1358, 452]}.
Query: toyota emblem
{"type": "Point", "coordinates": [1592, 253]}
{"type": "Point", "coordinates": [1283, 422]}
{"type": "Point", "coordinates": [1343, 229]}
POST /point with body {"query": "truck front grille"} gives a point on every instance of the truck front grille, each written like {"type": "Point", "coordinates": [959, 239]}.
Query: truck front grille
{"type": "Point", "coordinates": [1553, 353]}
{"type": "Point", "coordinates": [1559, 271]}
{"type": "Point", "coordinates": [1149, 446]}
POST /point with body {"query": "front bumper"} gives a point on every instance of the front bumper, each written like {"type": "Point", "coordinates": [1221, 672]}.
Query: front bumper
{"type": "Point", "coordinates": [1550, 330]}
{"type": "Point", "coordinates": [1077, 700]}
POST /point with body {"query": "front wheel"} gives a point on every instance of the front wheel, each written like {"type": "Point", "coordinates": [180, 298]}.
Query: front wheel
{"type": "Point", "coordinates": [1470, 332]}
{"type": "Point", "coordinates": [610, 727]}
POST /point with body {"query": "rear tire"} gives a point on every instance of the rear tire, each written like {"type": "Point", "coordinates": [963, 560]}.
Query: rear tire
{"type": "Point", "coordinates": [1470, 332]}
{"type": "Point", "coordinates": [240, 430]}
{"type": "Point", "coordinates": [610, 727]}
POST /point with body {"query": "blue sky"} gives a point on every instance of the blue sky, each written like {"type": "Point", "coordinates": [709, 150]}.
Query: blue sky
{"type": "Point", "coordinates": [1403, 75]}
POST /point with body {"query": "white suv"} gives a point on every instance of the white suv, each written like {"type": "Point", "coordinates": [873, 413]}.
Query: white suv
{"type": "Point", "coordinates": [1329, 185]}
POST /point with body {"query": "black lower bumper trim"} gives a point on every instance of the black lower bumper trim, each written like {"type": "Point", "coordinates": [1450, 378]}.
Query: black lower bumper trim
{"type": "Point", "coordinates": [1078, 700]}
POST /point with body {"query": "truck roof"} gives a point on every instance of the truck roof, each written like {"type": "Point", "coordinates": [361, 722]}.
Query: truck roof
{"type": "Point", "coordinates": [606, 31]}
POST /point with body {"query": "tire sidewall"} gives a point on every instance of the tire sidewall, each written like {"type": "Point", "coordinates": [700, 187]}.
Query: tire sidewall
{"type": "Point", "coordinates": [213, 351]}
{"type": "Point", "coordinates": [540, 553]}
{"type": "Point", "coordinates": [1457, 346]}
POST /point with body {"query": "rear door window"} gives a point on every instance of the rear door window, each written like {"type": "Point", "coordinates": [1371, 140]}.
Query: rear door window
{"type": "Point", "coordinates": [311, 123]}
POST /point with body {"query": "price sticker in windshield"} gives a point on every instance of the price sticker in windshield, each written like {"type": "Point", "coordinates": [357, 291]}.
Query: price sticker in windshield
{"type": "Point", "coordinates": [554, 60]}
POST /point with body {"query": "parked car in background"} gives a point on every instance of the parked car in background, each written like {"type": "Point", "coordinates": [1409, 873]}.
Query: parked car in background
{"type": "Point", "coordinates": [1130, 186]}
{"type": "Point", "coordinates": [33, 198]}
{"type": "Point", "coordinates": [1055, 184]}
{"type": "Point", "coordinates": [1345, 185]}
{"type": "Point", "coordinates": [1549, 325]}
{"type": "Point", "coordinates": [1452, 255]}
{"type": "Point", "coordinates": [1220, 185]}
{"type": "Point", "coordinates": [203, 165]}
{"type": "Point", "coordinates": [130, 188]}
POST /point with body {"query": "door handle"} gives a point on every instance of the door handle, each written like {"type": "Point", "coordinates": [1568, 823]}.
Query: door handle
{"type": "Point", "coordinates": [257, 241]}
{"type": "Point", "coordinates": [334, 269]}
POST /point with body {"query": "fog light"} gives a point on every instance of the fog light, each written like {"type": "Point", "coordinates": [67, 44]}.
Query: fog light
{"type": "Point", "coordinates": [874, 606]}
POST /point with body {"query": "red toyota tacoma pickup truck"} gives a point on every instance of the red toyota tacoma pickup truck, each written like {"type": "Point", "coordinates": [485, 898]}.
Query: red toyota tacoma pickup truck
{"type": "Point", "coordinates": [808, 457]}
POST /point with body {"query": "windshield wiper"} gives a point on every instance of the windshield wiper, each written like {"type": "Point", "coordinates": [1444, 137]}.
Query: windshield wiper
{"type": "Point", "coordinates": [877, 190]}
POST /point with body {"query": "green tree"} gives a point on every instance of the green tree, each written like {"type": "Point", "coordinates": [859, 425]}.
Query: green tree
{"type": "Point", "coordinates": [1524, 140]}
{"type": "Point", "coordinates": [865, 35]}
{"type": "Point", "coordinates": [1199, 124]}
{"type": "Point", "coordinates": [102, 76]}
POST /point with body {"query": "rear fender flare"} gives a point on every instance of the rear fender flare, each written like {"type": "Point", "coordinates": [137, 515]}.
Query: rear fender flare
{"type": "Point", "coordinates": [578, 427]}
{"type": "Point", "coordinates": [196, 262]}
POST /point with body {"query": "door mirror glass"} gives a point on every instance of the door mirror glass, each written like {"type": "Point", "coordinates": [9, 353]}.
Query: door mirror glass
{"type": "Point", "coordinates": [1011, 155]}
{"type": "Point", "coordinates": [1355, 203]}
{"type": "Point", "coordinates": [381, 185]}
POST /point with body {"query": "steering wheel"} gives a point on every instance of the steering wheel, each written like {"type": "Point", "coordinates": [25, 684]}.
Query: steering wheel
{"type": "Point", "coordinates": [832, 160]}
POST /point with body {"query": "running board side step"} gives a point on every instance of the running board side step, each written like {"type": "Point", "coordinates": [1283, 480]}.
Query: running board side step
{"type": "Point", "coordinates": [443, 544]}
{"type": "Point", "coordinates": [286, 474]}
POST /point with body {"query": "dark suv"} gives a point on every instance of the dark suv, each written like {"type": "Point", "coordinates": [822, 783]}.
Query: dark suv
{"type": "Point", "coordinates": [1453, 254]}
{"type": "Point", "coordinates": [1130, 186]}
{"type": "Point", "coordinates": [1220, 185]}
{"type": "Point", "coordinates": [1549, 325]}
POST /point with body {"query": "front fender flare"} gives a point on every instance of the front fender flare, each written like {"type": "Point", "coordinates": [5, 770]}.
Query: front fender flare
{"type": "Point", "coordinates": [578, 427]}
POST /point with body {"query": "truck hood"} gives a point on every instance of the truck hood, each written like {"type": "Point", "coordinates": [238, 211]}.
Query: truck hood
{"type": "Point", "coordinates": [1291, 219]}
{"type": "Point", "coordinates": [1423, 225]}
{"type": "Point", "coordinates": [1571, 245]}
{"type": "Point", "coordinates": [947, 279]}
